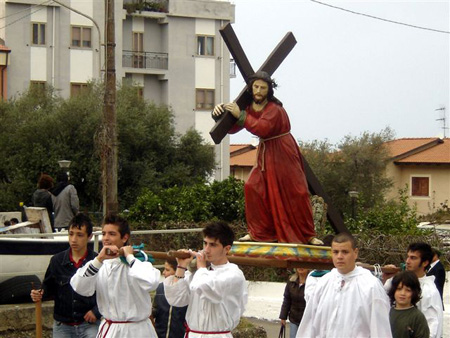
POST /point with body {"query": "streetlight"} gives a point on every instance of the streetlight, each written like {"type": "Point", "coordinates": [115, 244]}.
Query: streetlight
{"type": "Point", "coordinates": [353, 195]}
{"type": "Point", "coordinates": [64, 165]}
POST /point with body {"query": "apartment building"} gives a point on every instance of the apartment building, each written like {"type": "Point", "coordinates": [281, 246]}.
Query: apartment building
{"type": "Point", "coordinates": [172, 50]}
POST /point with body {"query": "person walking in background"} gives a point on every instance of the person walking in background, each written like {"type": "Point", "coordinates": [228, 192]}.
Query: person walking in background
{"type": "Point", "coordinates": [406, 319]}
{"type": "Point", "coordinates": [438, 271]}
{"type": "Point", "coordinates": [294, 301]}
{"type": "Point", "coordinates": [65, 201]}
{"type": "Point", "coordinates": [74, 315]}
{"type": "Point", "coordinates": [169, 320]}
{"type": "Point", "coordinates": [42, 197]}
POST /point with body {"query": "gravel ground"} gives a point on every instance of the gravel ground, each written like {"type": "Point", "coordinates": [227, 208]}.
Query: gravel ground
{"type": "Point", "coordinates": [25, 334]}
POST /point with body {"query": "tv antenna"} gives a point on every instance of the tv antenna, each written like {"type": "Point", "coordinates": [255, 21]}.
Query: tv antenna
{"type": "Point", "coordinates": [443, 119]}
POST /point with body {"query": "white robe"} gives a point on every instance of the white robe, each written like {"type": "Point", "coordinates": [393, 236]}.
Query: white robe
{"type": "Point", "coordinates": [430, 304]}
{"type": "Point", "coordinates": [122, 295]}
{"type": "Point", "coordinates": [216, 298]}
{"type": "Point", "coordinates": [359, 308]}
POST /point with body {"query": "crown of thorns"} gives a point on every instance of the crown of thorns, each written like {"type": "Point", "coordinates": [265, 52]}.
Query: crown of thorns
{"type": "Point", "coordinates": [262, 75]}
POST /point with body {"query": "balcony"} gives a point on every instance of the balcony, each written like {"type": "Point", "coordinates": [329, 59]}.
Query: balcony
{"type": "Point", "coordinates": [145, 60]}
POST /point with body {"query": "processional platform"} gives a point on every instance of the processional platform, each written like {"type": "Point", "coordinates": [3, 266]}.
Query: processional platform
{"type": "Point", "coordinates": [282, 255]}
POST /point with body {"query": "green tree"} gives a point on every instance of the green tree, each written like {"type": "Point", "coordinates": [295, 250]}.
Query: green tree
{"type": "Point", "coordinates": [356, 163]}
{"type": "Point", "coordinates": [39, 128]}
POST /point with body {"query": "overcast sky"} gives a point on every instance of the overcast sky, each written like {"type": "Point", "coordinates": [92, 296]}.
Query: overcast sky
{"type": "Point", "coordinates": [350, 73]}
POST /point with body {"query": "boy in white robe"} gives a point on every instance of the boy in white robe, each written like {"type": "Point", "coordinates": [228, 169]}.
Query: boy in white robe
{"type": "Point", "coordinates": [216, 296]}
{"type": "Point", "coordinates": [419, 257]}
{"type": "Point", "coordinates": [348, 301]}
{"type": "Point", "coordinates": [122, 284]}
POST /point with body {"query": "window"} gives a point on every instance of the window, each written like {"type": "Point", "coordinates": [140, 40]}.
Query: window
{"type": "Point", "coordinates": [420, 186]}
{"type": "Point", "coordinates": [140, 92]}
{"type": "Point", "coordinates": [77, 88]}
{"type": "Point", "coordinates": [38, 86]}
{"type": "Point", "coordinates": [204, 98]}
{"type": "Point", "coordinates": [138, 50]}
{"type": "Point", "coordinates": [205, 45]}
{"type": "Point", "coordinates": [81, 37]}
{"type": "Point", "coordinates": [38, 33]}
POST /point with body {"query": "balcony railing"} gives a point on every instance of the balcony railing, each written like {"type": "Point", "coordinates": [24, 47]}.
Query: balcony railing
{"type": "Point", "coordinates": [144, 60]}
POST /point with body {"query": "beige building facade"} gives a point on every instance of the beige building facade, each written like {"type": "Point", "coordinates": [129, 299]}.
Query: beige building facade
{"type": "Point", "coordinates": [422, 166]}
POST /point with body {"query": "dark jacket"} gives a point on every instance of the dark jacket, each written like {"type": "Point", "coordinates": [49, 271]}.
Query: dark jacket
{"type": "Point", "coordinates": [294, 301]}
{"type": "Point", "coordinates": [70, 307]}
{"type": "Point", "coordinates": [169, 320]}
{"type": "Point", "coordinates": [438, 272]}
{"type": "Point", "coordinates": [42, 198]}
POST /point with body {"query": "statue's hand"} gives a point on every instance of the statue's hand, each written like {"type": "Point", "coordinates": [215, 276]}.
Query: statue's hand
{"type": "Point", "coordinates": [233, 108]}
{"type": "Point", "coordinates": [218, 111]}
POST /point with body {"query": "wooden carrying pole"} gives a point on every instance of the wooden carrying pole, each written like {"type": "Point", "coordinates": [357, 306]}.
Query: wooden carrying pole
{"type": "Point", "coordinates": [38, 311]}
{"type": "Point", "coordinates": [267, 262]}
{"type": "Point", "coordinates": [38, 314]}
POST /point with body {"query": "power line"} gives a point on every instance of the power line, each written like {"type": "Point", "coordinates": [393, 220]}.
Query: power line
{"type": "Point", "coordinates": [24, 10]}
{"type": "Point", "coordinates": [382, 19]}
{"type": "Point", "coordinates": [23, 17]}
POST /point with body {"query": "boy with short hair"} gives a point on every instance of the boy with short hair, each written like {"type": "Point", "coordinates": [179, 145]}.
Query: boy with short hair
{"type": "Point", "coordinates": [348, 301]}
{"type": "Point", "coordinates": [122, 283]}
{"type": "Point", "coordinates": [216, 296]}
{"type": "Point", "coordinates": [74, 315]}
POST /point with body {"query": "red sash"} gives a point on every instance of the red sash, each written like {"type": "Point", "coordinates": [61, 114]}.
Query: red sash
{"type": "Point", "coordinates": [188, 329]}
{"type": "Point", "coordinates": [109, 322]}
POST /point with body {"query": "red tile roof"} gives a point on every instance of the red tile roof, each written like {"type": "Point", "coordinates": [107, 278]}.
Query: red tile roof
{"type": "Point", "coordinates": [4, 48]}
{"type": "Point", "coordinates": [242, 155]}
{"type": "Point", "coordinates": [420, 150]}
{"type": "Point", "coordinates": [430, 150]}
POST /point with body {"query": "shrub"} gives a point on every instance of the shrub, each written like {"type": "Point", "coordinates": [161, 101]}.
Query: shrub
{"type": "Point", "coordinates": [195, 203]}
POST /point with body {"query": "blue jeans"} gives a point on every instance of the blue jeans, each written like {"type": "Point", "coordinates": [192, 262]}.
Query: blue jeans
{"type": "Point", "coordinates": [293, 330]}
{"type": "Point", "coordinates": [84, 330]}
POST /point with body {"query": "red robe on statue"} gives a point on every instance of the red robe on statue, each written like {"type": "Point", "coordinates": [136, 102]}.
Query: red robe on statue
{"type": "Point", "coordinates": [277, 204]}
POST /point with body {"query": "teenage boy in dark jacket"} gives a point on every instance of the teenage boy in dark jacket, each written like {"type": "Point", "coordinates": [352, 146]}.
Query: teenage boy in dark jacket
{"type": "Point", "coordinates": [74, 315]}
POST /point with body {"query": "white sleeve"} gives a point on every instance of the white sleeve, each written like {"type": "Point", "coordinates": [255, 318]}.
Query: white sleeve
{"type": "Point", "coordinates": [431, 307]}
{"type": "Point", "coordinates": [217, 285]}
{"type": "Point", "coordinates": [143, 273]}
{"type": "Point", "coordinates": [306, 327]}
{"type": "Point", "coordinates": [379, 318]}
{"type": "Point", "coordinates": [310, 285]}
{"type": "Point", "coordinates": [177, 294]}
{"type": "Point", "coordinates": [84, 280]}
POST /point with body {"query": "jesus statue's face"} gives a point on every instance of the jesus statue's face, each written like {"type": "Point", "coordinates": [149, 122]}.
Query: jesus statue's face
{"type": "Point", "coordinates": [260, 90]}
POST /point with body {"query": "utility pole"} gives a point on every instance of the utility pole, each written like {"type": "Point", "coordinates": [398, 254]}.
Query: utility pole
{"type": "Point", "coordinates": [108, 137]}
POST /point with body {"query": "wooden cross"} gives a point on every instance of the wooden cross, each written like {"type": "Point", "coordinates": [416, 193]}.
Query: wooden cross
{"type": "Point", "coordinates": [227, 120]}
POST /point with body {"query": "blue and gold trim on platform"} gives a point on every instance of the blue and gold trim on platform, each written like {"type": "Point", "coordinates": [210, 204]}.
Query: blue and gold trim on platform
{"type": "Point", "coordinates": [283, 251]}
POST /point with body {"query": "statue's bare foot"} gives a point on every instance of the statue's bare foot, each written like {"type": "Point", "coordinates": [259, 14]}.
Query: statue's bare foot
{"type": "Point", "coordinates": [246, 238]}
{"type": "Point", "coordinates": [315, 241]}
